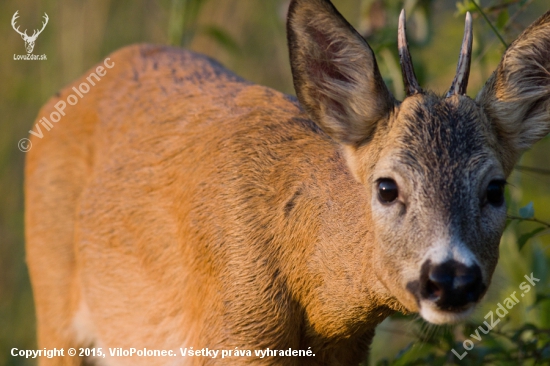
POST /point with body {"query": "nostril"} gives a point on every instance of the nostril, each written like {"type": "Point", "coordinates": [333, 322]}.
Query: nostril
{"type": "Point", "coordinates": [433, 290]}
{"type": "Point", "coordinates": [451, 285]}
{"type": "Point", "coordinates": [438, 283]}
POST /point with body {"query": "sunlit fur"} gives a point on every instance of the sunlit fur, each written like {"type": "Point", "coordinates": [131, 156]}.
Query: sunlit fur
{"type": "Point", "coordinates": [177, 205]}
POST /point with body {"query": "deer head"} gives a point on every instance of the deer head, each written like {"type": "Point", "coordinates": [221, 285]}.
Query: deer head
{"type": "Point", "coordinates": [434, 167]}
{"type": "Point", "coordinates": [29, 40]}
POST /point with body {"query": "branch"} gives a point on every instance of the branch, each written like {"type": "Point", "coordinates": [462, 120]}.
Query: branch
{"type": "Point", "coordinates": [505, 28]}
{"type": "Point", "coordinates": [501, 6]}
{"type": "Point", "coordinates": [522, 168]}
{"type": "Point", "coordinates": [511, 217]}
{"type": "Point", "coordinates": [516, 14]}
{"type": "Point", "coordinates": [490, 24]}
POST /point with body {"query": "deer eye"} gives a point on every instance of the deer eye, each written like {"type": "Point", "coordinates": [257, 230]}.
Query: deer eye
{"type": "Point", "coordinates": [495, 192]}
{"type": "Point", "coordinates": [387, 190]}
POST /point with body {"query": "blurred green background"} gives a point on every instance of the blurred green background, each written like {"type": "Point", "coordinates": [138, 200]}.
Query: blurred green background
{"type": "Point", "coordinates": [248, 37]}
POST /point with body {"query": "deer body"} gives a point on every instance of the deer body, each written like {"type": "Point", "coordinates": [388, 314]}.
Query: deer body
{"type": "Point", "coordinates": [180, 206]}
{"type": "Point", "coordinates": [243, 220]}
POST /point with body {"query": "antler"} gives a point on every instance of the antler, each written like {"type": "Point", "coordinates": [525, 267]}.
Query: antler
{"type": "Point", "coordinates": [13, 19]}
{"type": "Point", "coordinates": [407, 69]}
{"type": "Point", "coordinates": [460, 82]}
{"type": "Point", "coordinates": [35, 34]}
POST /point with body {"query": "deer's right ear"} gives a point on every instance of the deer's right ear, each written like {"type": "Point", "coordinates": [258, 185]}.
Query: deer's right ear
{"type": "Point", "coordinates": [335, 73]}
{"type": "Point", "coordinates": [516, 98]}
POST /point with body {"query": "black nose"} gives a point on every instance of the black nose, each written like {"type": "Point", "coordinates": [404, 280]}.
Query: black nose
{"type": "Point", "coordinates": [451, 285]}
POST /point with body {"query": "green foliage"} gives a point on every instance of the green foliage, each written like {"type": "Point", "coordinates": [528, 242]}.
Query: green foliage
{"type": "Point", "coordinates": [497, 15]}
{"type": "Point", "coordinates": [527, 344]}
{"type": "Point", "coordinates": [378, 26]}
{"type": "Point", "coordinates": [221, 37]}
{"type": "Point", "coordinates": [525, 237]}
{"type": "Point", "coordinates": [528, 211]}
{"type": "Point", "coordinates": [183, 26]}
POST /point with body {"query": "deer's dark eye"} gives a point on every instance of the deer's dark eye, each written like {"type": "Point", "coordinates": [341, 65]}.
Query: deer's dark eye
{"type": "Point", "coordinates": [495, 192]}
{"type": "Point", "coordinates": [387, 190]}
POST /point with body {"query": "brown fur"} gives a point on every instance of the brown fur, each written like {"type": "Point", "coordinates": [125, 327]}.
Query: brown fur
{"type": "Point", "coordinates": [517, 95]}
{"type": "Point", "coordinates": [178, 206]}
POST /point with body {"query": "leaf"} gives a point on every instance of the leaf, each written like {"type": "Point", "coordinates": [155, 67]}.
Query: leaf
{"type": "Point", "coordinates": [182, 22]}
{"type": "Point", "coordinates": [527, 211]}
{"type": "Point", "coordinates": [525, 237]}
{"type": "Point", "coordinates": [524, 328]}
{"type": "Point", "coordinates": [175, 22]}
{"type": "Point", "coordinates": [223, 38]}
{"type": "Point", "coordinates": [465, 6]}
{"type": "Point", "coordinates": [502, 19]}
{"type": "Point", "coordinates": [541, 297]}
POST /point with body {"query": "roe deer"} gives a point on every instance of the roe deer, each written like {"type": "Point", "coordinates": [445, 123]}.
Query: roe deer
{"type": "Point", "coordinates": [180, 206]}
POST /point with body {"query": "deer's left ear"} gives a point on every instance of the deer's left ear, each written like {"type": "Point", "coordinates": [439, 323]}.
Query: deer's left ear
{"type": "Point", "coordinates": [516, 98]}
{"type": "Point", "coordinates": [335, 73]}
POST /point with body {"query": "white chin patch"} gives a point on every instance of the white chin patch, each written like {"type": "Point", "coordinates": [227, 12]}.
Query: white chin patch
{"type": "Point", "coordinates": [432, 314]}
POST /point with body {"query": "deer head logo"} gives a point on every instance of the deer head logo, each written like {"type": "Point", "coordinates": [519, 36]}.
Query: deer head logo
{"type": "Point", "coordinates": [29, 40]}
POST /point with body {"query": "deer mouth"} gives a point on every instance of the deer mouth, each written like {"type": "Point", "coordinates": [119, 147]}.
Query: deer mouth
{"type": "Point", "coordinates": [435, 315]}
